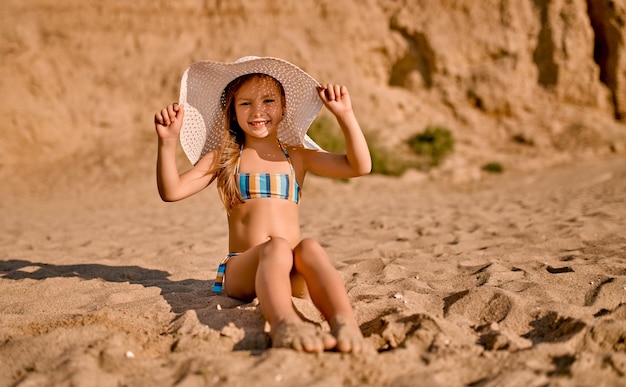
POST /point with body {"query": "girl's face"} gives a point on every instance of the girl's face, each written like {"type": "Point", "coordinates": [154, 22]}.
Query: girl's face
{"type": "Point", "coordinates": [259, 106]}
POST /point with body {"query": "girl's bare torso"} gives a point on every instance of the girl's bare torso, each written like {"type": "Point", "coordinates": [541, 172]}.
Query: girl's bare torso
{"type": "Point", "coordinates": [258, 220]}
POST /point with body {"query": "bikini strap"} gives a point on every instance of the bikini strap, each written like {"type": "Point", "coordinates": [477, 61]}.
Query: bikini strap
{"type": "Point", "coordinates": [293, 172]}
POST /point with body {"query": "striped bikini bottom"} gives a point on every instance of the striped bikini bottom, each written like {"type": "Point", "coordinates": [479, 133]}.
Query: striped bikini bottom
{"type": "Point", "coordinates": [218, 285]}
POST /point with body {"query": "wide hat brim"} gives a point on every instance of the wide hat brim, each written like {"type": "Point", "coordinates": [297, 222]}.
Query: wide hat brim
{"type": "Point", "coordinates": [201, 91]}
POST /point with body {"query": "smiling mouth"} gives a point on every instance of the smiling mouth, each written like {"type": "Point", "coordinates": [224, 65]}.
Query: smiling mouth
{"type": "Point", "coordinates": [259, 124]}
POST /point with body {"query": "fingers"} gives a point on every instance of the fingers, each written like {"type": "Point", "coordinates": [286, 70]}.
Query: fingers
{"type": "Point", "coordinates": [172, 112]}
{"type": "Point", "coordinates": [160, 117]}
{"type": "Point", "coordinates": [332, 92]}
{"type": "Point", "coordinates": [169, 114]}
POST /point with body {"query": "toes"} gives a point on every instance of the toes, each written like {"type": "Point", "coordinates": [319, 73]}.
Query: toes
{"type": "Point", "coordinates": [309, 344]}
{"type": "Point", "coordinates": [349, 346]}
{"type": "Point", "coordinates": [349, 337]}
{"type": "Point", "coordinates": [302, 337]}
{"type": "Point", "coordinates": [329, 341]}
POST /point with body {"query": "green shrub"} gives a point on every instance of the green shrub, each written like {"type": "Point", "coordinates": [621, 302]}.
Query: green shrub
{"type": "Point", "coordinates": [326, 133]}
{"type": "Point", "coordinates": [493, 167]}
{"type": "Point", "coordinates": [434, 143]}
{"type": "Point", "coordinates": [386, 162]}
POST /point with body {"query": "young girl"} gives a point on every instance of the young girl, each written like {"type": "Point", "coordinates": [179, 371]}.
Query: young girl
{"type": "Point", "coordinates": [243, 124]}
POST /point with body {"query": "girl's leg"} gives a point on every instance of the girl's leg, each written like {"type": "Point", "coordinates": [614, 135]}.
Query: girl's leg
{"type": "Point", "coordinates": [264, 271]}
{"type": "Point", "coordinates": [328, 293]}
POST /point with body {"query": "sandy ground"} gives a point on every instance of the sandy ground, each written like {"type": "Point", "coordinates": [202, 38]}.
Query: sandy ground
{"type": "Point", "coordinates": [516, 280]}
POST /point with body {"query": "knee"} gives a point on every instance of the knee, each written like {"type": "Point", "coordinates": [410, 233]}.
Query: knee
{"type": "Point", "coordinates": [309, 252]}
{"type": "Point", "coordinates": [309, 245]}
{"type": "Point", "coordinates": [277, 250]}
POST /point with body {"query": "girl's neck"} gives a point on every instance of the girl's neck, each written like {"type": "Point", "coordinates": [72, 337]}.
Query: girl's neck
{"type": "Point", "coordinates": [262, 144]}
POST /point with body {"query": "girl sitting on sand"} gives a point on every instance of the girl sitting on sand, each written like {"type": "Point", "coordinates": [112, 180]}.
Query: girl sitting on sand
{"type": "Point", "coordinates": [243, 124]}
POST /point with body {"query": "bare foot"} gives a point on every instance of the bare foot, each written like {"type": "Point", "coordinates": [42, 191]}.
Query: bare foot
{"type": "Point", "coordinates": [301, 336]}
{"type": "Point", "coordinates": [348, 335]}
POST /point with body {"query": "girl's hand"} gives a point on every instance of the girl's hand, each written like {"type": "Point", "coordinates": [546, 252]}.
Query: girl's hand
{"type": "Point", "coordinates": [336, 98]}
{"type": "Point", "coordinates": [168, 121]}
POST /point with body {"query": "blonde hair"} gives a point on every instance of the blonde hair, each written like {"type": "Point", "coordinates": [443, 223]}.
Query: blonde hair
{"type": "Point", "coordinates": [233, 141]}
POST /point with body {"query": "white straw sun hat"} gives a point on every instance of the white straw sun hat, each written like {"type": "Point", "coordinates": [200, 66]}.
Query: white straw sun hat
{"type": "Point", "coordinates": [201, 91]}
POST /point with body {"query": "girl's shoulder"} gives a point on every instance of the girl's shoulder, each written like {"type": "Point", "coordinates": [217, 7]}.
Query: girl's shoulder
{"type": "Point", "coordinates": [298, 151]}
{"type": "Point", "coordinates": [304, 158]}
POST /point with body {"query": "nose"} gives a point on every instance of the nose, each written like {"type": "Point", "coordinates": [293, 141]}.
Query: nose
{"type": "Point", "coordinates": [258, 108]}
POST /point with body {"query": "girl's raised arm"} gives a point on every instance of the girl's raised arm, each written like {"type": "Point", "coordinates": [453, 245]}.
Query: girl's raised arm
{"type": "Point", "coordinates": [357, 160]}
{"type": "Point", "coordinates": [172, 185]}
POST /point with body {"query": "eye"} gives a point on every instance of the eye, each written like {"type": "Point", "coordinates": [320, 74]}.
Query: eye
{"type": "Point", "coordinates": [269, 100]}
{"type": "Point", "coordinates": [244, 103]}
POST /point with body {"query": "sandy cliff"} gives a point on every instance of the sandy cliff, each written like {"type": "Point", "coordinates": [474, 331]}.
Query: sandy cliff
{"type": "Point", "coordinates": [524, 83]}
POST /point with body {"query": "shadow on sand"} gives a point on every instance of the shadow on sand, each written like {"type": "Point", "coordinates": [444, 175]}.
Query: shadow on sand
{"type": "Point", "coordinates": [182, 296]}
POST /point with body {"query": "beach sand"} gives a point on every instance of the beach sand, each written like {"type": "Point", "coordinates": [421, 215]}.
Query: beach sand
{"type": "Point", "coordinates": [517, 279]}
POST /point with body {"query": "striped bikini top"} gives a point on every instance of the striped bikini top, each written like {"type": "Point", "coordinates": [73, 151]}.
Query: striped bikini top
{"type": "Point", "coordinates": [268, 185]}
